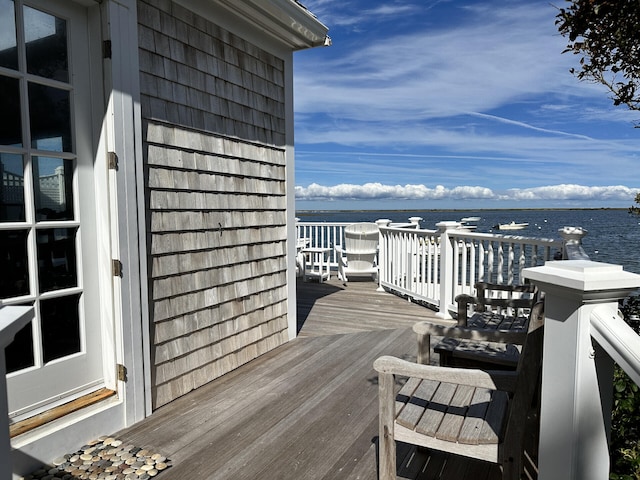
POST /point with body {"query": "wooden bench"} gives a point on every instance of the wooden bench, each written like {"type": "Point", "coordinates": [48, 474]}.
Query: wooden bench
{"type": "Point", "coordinates": [503, 308]}
{"type": "Point", "coordinates": [475, 413]}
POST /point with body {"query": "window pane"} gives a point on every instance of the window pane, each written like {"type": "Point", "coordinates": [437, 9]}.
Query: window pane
{"type": "Point", "coordinates": [46, 45]}
{"type": "Point", "coordinates": [11, 188]}
{"type": "Point", "coordinates": [8, 49]}
{"type": "Point", "coordinates": [19, 353]}
{"type": "Point", "coordinates": [57, 259]}
{"type": "Point", "coordinates": [49, 113]}
{"type": "Point", "coordinates": [14, 268]}
{"type": "Point", "coordinates": [53, 188]}
{"type": "Point", "coordinates": [10, 122]}
{"type": "Point", "coordinates": [60, 327]}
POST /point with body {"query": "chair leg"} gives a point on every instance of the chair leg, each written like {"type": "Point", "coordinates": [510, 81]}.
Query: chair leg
{"type": "Point", "coordinates": [512, 467]}
{"type": "Point", "coordinates": [387, 444]}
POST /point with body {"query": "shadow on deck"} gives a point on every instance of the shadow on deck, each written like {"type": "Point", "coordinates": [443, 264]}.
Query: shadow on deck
{"type": "Point", "coordinates": [308, 409]}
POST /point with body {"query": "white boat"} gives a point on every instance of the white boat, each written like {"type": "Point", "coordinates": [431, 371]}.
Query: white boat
{"type": "Point", "coordinates": [511, 226]}
{"type": "Point", "coordinates": [468, 223]}
{"type": "Point", "coordinates": [466, 226]}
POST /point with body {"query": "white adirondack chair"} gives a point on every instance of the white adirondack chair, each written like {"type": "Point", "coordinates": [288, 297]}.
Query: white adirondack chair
{"type": "Point", "coordinates": [358, 256]}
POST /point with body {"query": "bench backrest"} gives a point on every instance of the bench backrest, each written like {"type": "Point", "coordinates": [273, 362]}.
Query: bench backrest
{"type": "Point", "coordinates": [490, 295]}
{"type": "Point", "coordinates": [528, 378]}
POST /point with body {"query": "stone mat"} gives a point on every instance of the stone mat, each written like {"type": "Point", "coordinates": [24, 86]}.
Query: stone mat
{"type": "Point", "coordinates": [106, 458]}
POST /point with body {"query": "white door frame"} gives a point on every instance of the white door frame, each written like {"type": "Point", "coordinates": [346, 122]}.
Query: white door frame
{"type": "Point", "coordinates": [120, 133]}
{"type": "Point", "coordinates": [49, 383]}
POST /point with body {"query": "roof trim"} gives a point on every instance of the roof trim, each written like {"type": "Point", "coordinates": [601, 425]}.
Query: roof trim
{"type": "Point", "coordinates": [286, 20]}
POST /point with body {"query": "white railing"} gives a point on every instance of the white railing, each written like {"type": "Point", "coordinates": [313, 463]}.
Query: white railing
{"type": "Point", "coordinates": [497, 258]}
{"type": "Point", "coordinates": [433, 266]}
{"type": "Point", "coordinates": [322, 234]}
{"type": "Point", "coordinates": [331, 235]}
{"type": "Point", "coordinates": [409, 263]}
{"type": "Point", "coordinates": [619, 340]}
{"type": "Point", "coordinates": [583, 336]}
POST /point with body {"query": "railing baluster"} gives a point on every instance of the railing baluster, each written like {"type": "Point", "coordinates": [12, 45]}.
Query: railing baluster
{"type": "Point", "coordinates": [500, 266]}
{"type": "Point", "coordinates": [510, 263]}
{"type": "Point", "coordinates": [491, 262]}
{"type": "Point", "coordinates": [456, 264]}
{"type": "Point", "coordinates": [481, 254]}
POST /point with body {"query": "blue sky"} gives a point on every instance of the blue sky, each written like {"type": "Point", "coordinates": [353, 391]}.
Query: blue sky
{"type": "Point", "coordinates": [454, 104]}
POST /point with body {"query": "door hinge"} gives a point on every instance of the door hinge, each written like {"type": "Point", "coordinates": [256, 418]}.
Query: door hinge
{"type": "Point", "coordinates": [116, 268]}
{"type": "Point", "coordinates": [122, 372]}
{"type": "Point", "coordinates": [112, 160]}
{"type": "Point", "coordinates": [106, 49]}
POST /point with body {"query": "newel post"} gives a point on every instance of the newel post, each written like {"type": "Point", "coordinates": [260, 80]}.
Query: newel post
{"type": "Point", "coordinates": [572, 238]}
{"type": "Point", "coordinates": [447, 291]}
{"type": "Point", "coordinates": [415, 221]}
{"type": "Point", "coordinates": [576, 374]}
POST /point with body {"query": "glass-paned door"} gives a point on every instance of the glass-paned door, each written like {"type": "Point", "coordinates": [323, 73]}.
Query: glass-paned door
{"type": "Point", "coordinates": [48, 204]}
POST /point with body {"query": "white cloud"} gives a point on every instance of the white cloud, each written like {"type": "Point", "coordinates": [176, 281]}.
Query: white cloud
{"type": "Point", "coordinates": [378, 191]}
{"type": "Point", "coordinates": [574, 192]}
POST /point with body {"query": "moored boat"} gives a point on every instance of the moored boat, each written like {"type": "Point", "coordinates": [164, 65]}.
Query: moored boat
{"type": "Point", "coordinates": [468, 223]}
{"type": "Point", "coordinates": [511, 226]}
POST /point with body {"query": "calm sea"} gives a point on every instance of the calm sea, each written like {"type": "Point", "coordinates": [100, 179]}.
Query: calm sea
{"type": "Point", "coordinates": [613, 234]}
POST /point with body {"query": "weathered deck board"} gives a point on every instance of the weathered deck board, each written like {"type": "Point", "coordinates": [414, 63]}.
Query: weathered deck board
{"type": "Point", "coordinates": [334, 308]}
{"type": "Point", "coordinates": [306, 410]}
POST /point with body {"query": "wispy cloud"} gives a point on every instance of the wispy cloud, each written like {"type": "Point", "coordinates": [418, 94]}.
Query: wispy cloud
{"type": "Point", "coordinates": [500, 57]}
{"type": "Point", "coordinates": [349, 14]}
{"type": "Point", "coordinates": [453, 93]}
{"type": "Point", "coordinates": [526, 125]}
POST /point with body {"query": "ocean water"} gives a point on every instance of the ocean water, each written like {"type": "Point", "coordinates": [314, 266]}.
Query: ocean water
{"type": "Point", "coordinates": [613, 235]}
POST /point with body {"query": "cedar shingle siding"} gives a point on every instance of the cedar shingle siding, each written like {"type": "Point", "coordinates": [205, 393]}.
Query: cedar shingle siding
{"type": "Point", "coordinates": [214, 134]}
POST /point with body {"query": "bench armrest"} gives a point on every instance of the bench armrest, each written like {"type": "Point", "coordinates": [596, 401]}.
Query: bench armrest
{"type": "Point", "coordinates": [491, 379]}
{"type": "Point", "coordinates": [463, 300]}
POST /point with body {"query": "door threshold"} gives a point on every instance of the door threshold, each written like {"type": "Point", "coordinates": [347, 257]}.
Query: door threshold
{"type": "Point", "coordinates": [43, 418]}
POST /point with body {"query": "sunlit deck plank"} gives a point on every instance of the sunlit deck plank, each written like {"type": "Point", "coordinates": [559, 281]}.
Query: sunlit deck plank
{"type": "Point", "coordinates": [333, 307]}
{"type": "Point", "coordinates": [305, 410]}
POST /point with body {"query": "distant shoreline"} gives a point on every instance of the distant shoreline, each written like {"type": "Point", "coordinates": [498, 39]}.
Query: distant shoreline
{"type": "Point", "coordinates": [417, 210]}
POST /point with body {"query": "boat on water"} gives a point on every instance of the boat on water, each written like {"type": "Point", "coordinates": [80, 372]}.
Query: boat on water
{"type": "Point", "coordinates": [468, 223]}
{"type": "Point", "coordinates": [511, 226]}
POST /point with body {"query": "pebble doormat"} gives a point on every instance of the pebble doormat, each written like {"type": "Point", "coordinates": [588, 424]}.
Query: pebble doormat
{"type": "Point", "coordinates": [106, 459]}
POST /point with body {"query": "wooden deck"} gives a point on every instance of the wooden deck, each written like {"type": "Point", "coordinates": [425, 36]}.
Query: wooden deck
{"type": "Point", "coordinates": [307, 410]}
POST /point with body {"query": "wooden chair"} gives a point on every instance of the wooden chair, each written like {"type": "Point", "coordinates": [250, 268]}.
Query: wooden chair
{"type": "Point", "coordinates": [359, 254]}
{"type": "Point", "coordinates": [495, 307]}
{"type": "Point", "coordinates": [476, 413]}
{"type": "Point", "coordinates": [507, 300]}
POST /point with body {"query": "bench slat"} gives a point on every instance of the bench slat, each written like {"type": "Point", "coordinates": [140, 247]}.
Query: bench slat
{"type": "Point", "coordinates": [472, 426]}
{"type": "Point", "coordinates": [492, 429]}
{"type": "Point", "coordinates": [433, 415]}
{"type": "Point", "coordinates": [454, 417]}
{"type": "Point", "coordinates": [416, 405]}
